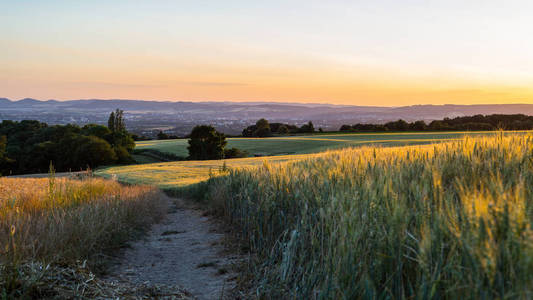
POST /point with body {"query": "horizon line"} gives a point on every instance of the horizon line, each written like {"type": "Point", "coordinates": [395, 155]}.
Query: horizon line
{"type": "Point", "coordinates": [257, 102]}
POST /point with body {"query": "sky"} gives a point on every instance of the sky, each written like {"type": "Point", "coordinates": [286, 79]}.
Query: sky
{"type": "Point", "coordinates": [379, 53]}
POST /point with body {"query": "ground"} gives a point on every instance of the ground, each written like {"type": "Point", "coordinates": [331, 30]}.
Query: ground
{"type": "Point", "coordinates": [185, 251]}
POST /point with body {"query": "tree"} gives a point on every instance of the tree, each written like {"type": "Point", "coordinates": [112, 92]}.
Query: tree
{"type": "Point", "coordinates": [162, 136]}
{"type": "Point", "coordinates": [419, 126]}
{"type": "Point", "coordinates": [31, 146]}
{"type": "Point", "coordinates": [93, 151]}
{"type": "Point", "coordinates": [283, 129]}
{"type": "Point", "coordinates": [111, 121]}
{"type": "Point", "coordinates": [121, 141]}
{"type": "Point", "coordinates": [206, 143]}
{"type": "Point", "coordinates": [346, 128]}
{"type": "Point", "coordinates": [308, 128]}
{"type": "Point", "coordinates": [116, 123]}
{"type": "Point", "coordinates": [262, 123]}
{"type": "Point", "coordinates": [263, 128]}
{"type": "Point", "coordinates": [399, 125]}
{"type": "Point", "coordinates": [3, 145]}
{"type": "Point", "coordinates": [4, 160]}
{"type": "Point", "coordinates": [95, 130]}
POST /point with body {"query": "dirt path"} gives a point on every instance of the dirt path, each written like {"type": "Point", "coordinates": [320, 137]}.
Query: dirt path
{"type": "Point", "coordinates": [184, 250]}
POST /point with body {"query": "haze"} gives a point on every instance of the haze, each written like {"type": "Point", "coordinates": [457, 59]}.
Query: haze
{"type": "Point", "coordinates": [384, 53]}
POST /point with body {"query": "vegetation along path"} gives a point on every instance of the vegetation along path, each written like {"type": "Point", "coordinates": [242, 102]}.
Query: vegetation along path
{"type": "Point", "coordinates": [185, 250]}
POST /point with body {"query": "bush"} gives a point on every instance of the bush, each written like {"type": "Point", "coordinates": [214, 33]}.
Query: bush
{"type": "Point", "coordinates": [234, 153]}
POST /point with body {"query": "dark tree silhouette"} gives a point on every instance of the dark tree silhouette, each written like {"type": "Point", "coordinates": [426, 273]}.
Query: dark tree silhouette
{"type": "Point", "coordinates": [283, 129]}
{"type": "Point", "coordinates": [116, 123]}
{"type": "Point", "coordinates": [121, 141]}
{"type": "Point", "coordinates": [263, 128]}
{"type": "Point", "coordinates": [206, 143]}
{"type": "Point", "coordinates": [477, 122]}
{"type": "Point", "coordinates": [32, 145]}
{"type": "Point", "coordinates": [308, 128]}
{"type": "Point", "coordinates": [162, 136]}
{"type": "Point", "coordinates": [4, 160]}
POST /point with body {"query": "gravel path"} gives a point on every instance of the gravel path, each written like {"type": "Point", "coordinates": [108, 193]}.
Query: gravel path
{"type": "Point", "coordinates": [185, 250]}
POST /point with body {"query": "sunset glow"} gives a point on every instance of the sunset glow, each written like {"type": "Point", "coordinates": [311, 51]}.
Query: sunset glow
{"type": "Point", "coordinates": [383, 53]}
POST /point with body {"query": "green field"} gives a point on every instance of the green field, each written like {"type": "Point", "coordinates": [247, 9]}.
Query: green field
{"type": "Point", "coordinates": [314, 143]}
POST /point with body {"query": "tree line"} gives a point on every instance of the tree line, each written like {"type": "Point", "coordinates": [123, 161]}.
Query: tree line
{"type": "Point", "coordinates": [477, 122]}
{"type": "Point", "coordinates": [30, 146]}
{"type": "Point", "coordinates": [263, 128]}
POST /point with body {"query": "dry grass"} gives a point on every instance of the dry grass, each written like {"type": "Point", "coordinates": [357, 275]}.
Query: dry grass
{"type": "Point", "coordinates": [59, 221]}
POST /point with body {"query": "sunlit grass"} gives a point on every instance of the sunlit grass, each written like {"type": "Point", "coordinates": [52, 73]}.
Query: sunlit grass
{"type": "Point", "coordinates": [184, 173]}
{"type": "Point", "coordinates": [63, 222]}
{"type": "Point", "coordinates": [452, 220]}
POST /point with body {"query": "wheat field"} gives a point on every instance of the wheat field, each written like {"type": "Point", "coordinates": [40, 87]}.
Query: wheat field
{"type": "Point", "coordinates": [449, 221]}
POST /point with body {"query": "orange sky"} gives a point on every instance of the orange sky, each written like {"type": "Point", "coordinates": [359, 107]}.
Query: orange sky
{"type": "Point", "coordinates": [366, 53]}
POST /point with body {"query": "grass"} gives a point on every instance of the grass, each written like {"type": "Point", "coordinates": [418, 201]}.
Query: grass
{"type": "Point", "coordinates": [56, 222]}
{"type": "Point", "coordinates": [314, 143]}
{"type": "Point", "coordinates": [180, 174]}
{"type": "Point", "coordinates": [143, 159]}
{"type": "Point", "coordinates": [175, 175]}
{"type": "Point", "coordinates": [452, 220]}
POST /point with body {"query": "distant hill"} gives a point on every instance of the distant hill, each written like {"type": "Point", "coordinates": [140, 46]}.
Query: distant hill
{"type": "Point", "coordinates": [231, 117]}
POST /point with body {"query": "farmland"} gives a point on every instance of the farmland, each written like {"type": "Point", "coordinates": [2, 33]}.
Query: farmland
{"type": "Point", "coordinates": [451, 220]}
{"type": "Point", "coordinates": [445, 220]}
{"type": "Point", "coordinates": [313, 143]}
{"type": "Point", "coordinates": [171, 175]}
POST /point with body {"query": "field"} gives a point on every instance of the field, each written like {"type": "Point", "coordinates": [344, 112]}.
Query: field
{"type": "Point", "coordinates": [179, 174]}
{"type": "Point", "coordinates": [54, 231]}
{"type": "Point", "coordinates": [312, 143]}
{"type": "Point", "coordinates": [445, 220]}
{"type": "Point", "coordinates": [172, 175]}
{"type": "Point", "coordinates": [452, 220]}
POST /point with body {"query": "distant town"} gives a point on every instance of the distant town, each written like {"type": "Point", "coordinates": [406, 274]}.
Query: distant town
{"type": "Point", "coordinates": [148, 118]}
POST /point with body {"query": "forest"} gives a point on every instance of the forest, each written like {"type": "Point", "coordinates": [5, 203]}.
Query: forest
{"type": "Point", "coordinates": [30, 146]}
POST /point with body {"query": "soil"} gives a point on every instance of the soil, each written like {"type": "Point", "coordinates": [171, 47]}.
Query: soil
{"type": "Point", "coordinates": [185, 251]}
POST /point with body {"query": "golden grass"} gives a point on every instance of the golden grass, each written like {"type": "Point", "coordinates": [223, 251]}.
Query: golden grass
{"type": "Point", "coordinates": [65, 221]}
{"type": "Point", "coordinates": [446, 221]}
{"type": "Point", "coordinates": [184, 173]}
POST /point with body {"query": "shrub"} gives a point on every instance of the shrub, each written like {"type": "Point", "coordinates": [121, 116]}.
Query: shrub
{"type": "Point", "coordinates": [234, 153]}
